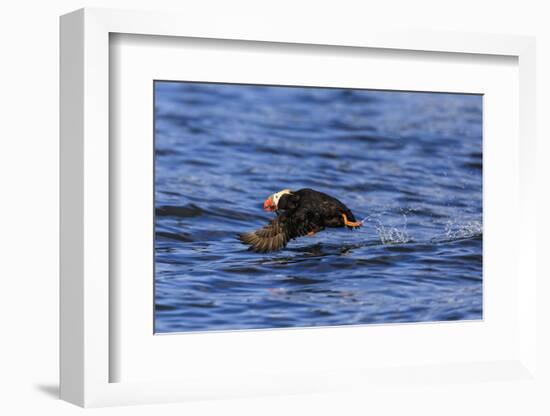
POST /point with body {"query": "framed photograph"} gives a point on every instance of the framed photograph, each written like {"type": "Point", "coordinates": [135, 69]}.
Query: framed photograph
{"type": "Point", "coordinates": [264, 211]}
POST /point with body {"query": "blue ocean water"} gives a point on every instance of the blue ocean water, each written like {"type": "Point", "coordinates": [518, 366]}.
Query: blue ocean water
{"type": "Point", "coordinates": [409, 163]}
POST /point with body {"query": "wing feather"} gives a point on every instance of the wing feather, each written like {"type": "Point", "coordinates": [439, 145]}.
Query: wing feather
{"type": "Point", "coordinates": [276, 234]}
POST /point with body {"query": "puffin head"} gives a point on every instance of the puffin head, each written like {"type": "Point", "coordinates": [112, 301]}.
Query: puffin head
{"type": "Point", "coordinates": [272, 202]}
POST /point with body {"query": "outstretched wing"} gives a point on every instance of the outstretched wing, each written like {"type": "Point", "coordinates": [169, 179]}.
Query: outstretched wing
{"type": "Point", "coordinates": [276, 235]}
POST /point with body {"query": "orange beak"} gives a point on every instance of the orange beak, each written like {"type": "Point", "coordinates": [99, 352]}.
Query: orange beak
{"type": "Point", "coordinates": [269, 206]}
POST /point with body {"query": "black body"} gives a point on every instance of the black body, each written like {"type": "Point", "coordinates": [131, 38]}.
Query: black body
{"type": "Point", "coordinates": [300, 213]}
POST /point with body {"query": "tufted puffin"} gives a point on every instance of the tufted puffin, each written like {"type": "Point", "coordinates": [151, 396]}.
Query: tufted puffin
{"type": "Point", "coordinates": [299, 213]}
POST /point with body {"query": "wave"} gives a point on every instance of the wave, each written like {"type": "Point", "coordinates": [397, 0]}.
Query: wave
{"type": "Point", "coordinates": [301, 254]}
{"type": "Point", "coordinates": [392, 228]}
{"type": "Point", "coordinates": [190, 210]}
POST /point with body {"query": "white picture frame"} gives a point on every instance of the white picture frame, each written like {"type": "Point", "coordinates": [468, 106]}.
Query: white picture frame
{"type": "Point", "coordinates": [87, 356]}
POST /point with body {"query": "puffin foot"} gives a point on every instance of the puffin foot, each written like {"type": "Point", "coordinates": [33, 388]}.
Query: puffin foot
{"type": "Point", "coordinates": [352, 224]}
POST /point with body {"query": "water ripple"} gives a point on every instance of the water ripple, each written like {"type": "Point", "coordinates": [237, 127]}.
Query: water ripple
{"type": "Point", "coordinates": [410, 164]}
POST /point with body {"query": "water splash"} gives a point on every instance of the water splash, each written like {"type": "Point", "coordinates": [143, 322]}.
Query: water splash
{"type": "Point", "coordinates": [389, 234]}
{"type": "Point", "coordinates": [456, 229]}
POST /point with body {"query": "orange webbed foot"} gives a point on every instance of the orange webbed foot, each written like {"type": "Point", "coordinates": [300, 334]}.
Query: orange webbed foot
{"type": "Point", "coordinates": [352, 224]}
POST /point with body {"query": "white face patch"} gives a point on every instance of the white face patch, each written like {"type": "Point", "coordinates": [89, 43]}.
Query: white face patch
{"type": "Point", "coordinates": [278, 195]}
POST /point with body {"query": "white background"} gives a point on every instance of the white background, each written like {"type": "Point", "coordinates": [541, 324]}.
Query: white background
{"type": "Point", "coordinates": [29, 207]}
